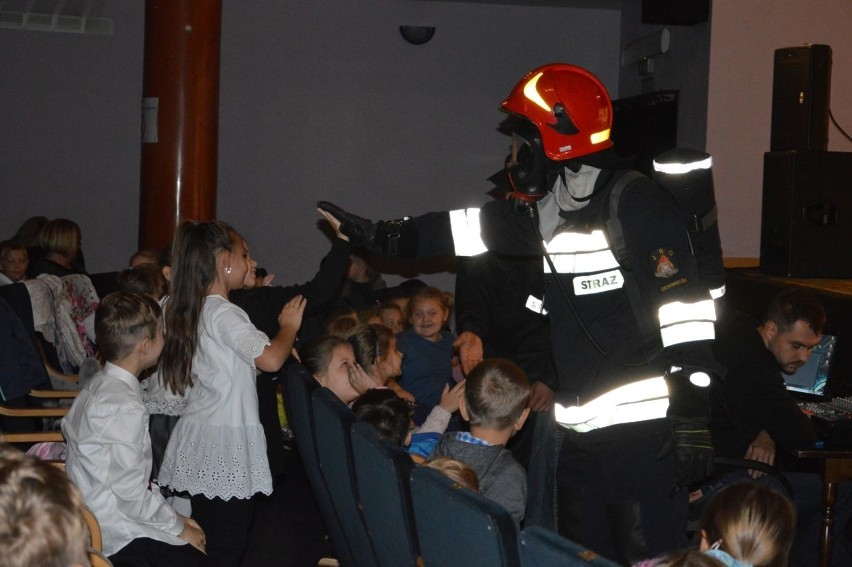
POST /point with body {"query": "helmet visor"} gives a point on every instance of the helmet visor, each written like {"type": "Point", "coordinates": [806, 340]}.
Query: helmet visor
{"type": "Point", "coordinates": [523, 153]}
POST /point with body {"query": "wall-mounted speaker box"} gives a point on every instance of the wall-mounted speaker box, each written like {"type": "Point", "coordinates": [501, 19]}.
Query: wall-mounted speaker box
{"type": "Point", "coordinates": [801, 87]}
{"type": "Point", "coordinates": [806, 225]}
{"type": "Point", "coordinates": [675, 12]}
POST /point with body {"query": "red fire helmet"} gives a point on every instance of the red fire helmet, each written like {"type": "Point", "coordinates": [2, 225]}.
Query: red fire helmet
{"type": "Point", "coordinates": [569, 106]}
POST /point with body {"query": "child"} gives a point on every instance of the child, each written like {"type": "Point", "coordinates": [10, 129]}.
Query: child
{"type": "Point", "coordinates": [340, 321]}
{"type": "Point", "coordinates": [749, 522]}
{"type": "Point", "coordinates": [217, 450]}
{"type": "Point", "coordinates": [456, 471]}
{"type": "Point", "coordinates": [391, 416]}
{"type": "Point", "coordinates": [13, 262]}
{"type": "Point", "coordinates": [427, 365]}
{"type": "Point", "coordinates": [744, 524]}
{"type": "Point", "coordinates": [41, 514]}
{"type": "Point", "coordinates": [147, 279]}
{"type": "Point", "coordinates": [377, 354]}
{"type": "Point", "coordinates": [392, 317]}
{"type": "Point", "coordinates": [495, 405]}
{"type": "Point", "coordinates": [328, 358]}
{"type": "Point", "coordinates": [109, 449]}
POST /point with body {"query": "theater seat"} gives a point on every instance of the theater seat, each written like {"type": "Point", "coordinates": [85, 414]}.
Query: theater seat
{"type": "Point", "coordinates": [383, 472]}
{"type": "Point", "coordinates": [299, 387]}
{"type": "Point", "coordinates": [333, 426]}
{"type": "Point", "coordinates": [539, 546]}
{"type": "Point", "coordinates": [457, 527]}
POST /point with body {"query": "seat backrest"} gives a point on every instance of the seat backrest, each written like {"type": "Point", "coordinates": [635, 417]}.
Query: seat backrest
{"type": "Point", "coordinates": [539, 546]}
{"type": "Point", "coordinates": [21, 368]}
{"type": "Point", "coordinates": [457, 527]}
{"type": "Point", "coordinates": [382, 472]}
{"type": "Point", "coordinates": [332, 426]}
{"type": "Point", "coordinates": [299, 387]}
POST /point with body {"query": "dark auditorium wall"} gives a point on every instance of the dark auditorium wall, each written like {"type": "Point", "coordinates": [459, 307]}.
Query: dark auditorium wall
{"type": "Point", "coordinates": [318, 100]}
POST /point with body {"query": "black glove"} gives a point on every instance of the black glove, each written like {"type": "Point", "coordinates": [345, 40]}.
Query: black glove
{"type": "Point", "coordinates": [693, 449]}
{"type": "Point", "coordinates": [361, 231]}
{"type": "Point", "coordinates": [384, 238]}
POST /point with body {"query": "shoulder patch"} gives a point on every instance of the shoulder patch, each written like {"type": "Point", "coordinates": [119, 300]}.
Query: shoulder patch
{"type": "Point", "coordinates": [663, 262]}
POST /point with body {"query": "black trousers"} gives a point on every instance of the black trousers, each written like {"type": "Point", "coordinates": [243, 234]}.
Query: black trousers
{"type": "Point", "coordinates": [615, 497]}
{"type": "Point", "coordinates": [146, 552]}
{"type": "Point", "coordinates": [226, 523]}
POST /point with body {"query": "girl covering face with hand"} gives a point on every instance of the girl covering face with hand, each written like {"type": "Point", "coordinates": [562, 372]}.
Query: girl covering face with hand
{"type": "Point", "coordinates": [330, 360]}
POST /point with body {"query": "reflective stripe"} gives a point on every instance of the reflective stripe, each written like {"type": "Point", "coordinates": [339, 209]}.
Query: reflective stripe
{"type": "Point", "coordinates": [598, 137]}
{"type": "Point", "coordinates": [531, 92]}
{"type": "Point", "coordinates": [581, 263]}
{"type": "Point", "coordinates": [679, 312]}
{"type": "Point", "coordinates": [718, 292]}
{"type": "Point", "coordinates": [467, 236]}
{"type": "Point", "coordinates": [570, 242]}
{"type": "Point", "coordinates": [687, 333]}
{"type": "Point", "coordinates": [579, 253]}
{"type": "Point", "coordinates": [638, 401]}
{"type": "Point", "coordinates": [680, 168]}
{"type": "Point", "coordinates": [700, 379]}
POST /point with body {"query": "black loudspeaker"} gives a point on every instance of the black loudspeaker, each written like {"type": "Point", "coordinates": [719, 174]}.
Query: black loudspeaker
{"type": "Point", "coordinates": [675, 12]}
{"type": "Point", "coordinates": [806, 228]}
{"type": "Point", "coordinates": [800, 93]}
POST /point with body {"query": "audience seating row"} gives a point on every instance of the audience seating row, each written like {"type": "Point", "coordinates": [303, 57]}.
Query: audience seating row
{"type": "Point", "coordinates": [27, 394]}
{"type": "Point", "coordinates": [382, 510]}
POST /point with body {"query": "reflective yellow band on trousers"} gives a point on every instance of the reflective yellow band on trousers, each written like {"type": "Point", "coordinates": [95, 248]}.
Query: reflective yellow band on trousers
{"type": "Point", "coordinates": [638, 401]}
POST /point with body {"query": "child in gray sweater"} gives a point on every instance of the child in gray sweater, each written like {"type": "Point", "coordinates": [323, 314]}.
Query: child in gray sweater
{"type": "Point", "coordinates": [495, 405]}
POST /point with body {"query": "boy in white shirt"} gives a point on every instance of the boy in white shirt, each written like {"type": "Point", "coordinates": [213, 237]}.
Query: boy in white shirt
{"type": "Point", "coordinates": [109, 447]}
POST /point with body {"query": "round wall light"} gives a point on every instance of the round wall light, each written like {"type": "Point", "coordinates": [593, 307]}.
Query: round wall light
{"type": "Point", "coordinates": [417, 35]}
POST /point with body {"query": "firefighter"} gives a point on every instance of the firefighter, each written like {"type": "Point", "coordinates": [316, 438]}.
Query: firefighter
{"type": "Point", "coordinates": [631, 321]}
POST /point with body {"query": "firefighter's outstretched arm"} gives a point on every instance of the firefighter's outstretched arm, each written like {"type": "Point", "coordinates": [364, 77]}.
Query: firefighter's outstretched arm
{"type": "Point", "coordinates": [445, 233]}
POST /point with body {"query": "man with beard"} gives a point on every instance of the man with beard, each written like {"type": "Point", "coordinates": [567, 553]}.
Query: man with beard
{"type": "Point", "coordinates": [752, 412]}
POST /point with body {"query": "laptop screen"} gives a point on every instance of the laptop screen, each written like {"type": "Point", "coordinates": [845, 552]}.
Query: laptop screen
{"type": "Point", "coordinates": [812, 378]}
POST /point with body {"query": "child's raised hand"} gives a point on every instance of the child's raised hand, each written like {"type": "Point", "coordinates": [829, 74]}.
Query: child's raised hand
{"type": "Point", "coordinates": [360, 380]}
{"type": "Point", "coordinates": [291, 314]}
{"type": "Point", "coordinates": [193, 534]}
{"type": "Point", "coordinates": [450, 397]}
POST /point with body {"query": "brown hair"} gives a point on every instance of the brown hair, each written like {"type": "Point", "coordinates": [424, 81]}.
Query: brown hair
{"type": "Point", "coordinates": [370, 343]}
{"type": "Point", "coordinates": [9, 245]}
{"type": "Point", "coordinates": [147, 279]}
{"type": "Point", "coordinates": [444, 299]}
{"type": "Point", "coordinates": [316, 353]}
{"type": "Point", "coordinates": [142, 257]}
{"type": "Point", "coordinates": [28, 232]}
{"type": "Point", "coordinates": [456, 471]}
{"type": "Point", "coordinates": [122, 320]}
{"type": "Point", "coordinates": [195, 251]}
{"type": "Point", "coordinates": [496, 393]}
{"type": "Point", "coordinates": [41, 514]}
{"type": "Point", "coordinates": [60, 236]}
{"type": "Point", "coordinates": [690, 558]}
{"type": "Point", "coordinates": [793, 305]}
{"type": "Point", "coordinates": [754, 524]}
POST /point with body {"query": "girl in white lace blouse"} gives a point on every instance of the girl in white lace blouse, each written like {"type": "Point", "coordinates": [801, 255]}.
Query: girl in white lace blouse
{"type": "Point", "coordinates": [217, 450]}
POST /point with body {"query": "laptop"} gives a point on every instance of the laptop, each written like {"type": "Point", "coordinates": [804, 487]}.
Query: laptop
{"type": "Point", "coordinates": [810, 383]}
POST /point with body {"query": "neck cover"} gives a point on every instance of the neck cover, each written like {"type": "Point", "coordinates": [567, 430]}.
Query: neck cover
{"type": "Point", "coordinates": [573, 190]}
